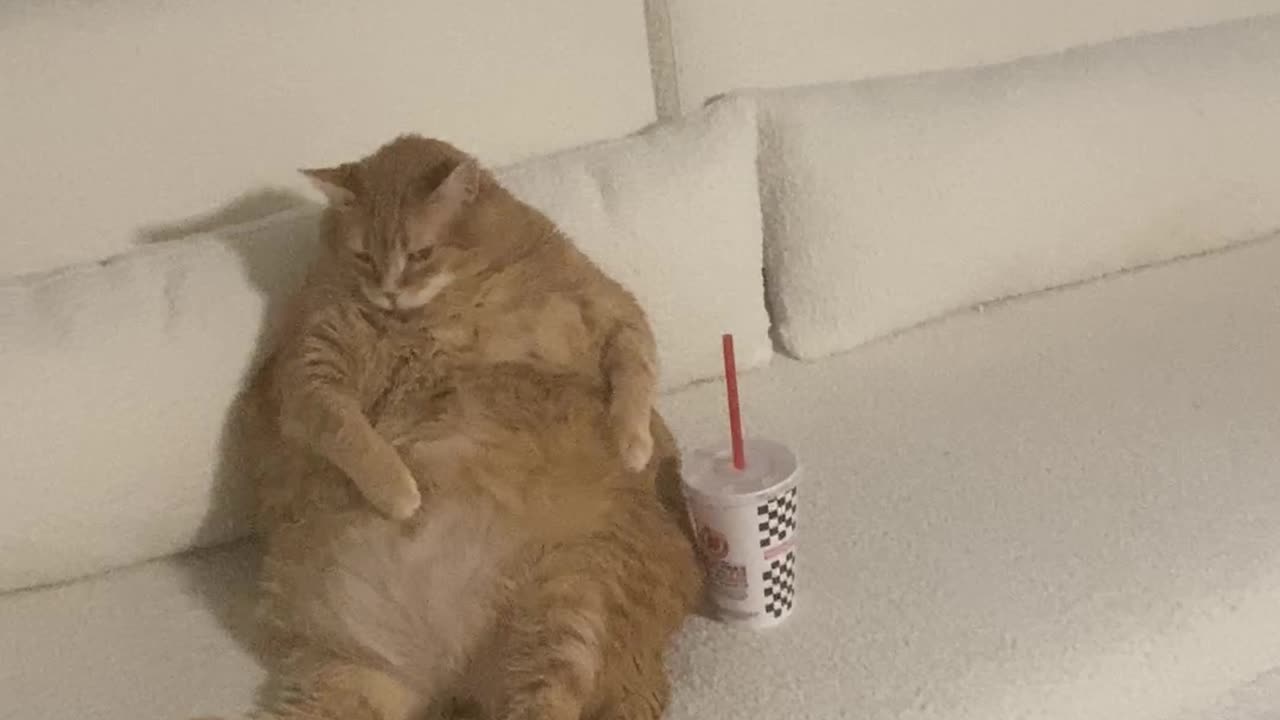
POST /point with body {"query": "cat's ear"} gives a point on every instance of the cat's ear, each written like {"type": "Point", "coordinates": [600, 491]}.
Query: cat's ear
{"type": "Point", "coordinates": [337, 184]}
{"type": "Point", "coordinates": [460, 187]}
{"type": "Point", "coordinates": [447, 200]}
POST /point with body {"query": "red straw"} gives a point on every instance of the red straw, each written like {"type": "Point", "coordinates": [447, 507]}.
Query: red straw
{"type": "Point", "coordinates": [735, 416]}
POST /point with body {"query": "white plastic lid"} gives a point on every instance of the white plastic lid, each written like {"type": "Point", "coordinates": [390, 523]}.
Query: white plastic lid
{"type": "Point", "coordinates": [710, 474]}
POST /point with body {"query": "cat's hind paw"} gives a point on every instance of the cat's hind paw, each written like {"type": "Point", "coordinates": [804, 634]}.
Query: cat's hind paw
{"type": "Point", "coordinates": [636, 447]}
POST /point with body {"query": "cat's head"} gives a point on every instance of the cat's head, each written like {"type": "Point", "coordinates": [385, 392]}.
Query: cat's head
{"type": "Point", "coordinates": [394, 220]}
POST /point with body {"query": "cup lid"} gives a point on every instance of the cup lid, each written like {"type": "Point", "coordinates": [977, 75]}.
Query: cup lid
{"type": "Point", "coordinates": [710, 473]}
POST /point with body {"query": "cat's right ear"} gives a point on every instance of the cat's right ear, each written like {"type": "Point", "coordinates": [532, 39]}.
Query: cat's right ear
{"type": "Point", "coordinates": [337, 184]}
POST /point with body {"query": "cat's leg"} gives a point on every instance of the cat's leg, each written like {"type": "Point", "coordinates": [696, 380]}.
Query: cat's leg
{"type": "Point", "coordinates": [320, 409]}
{"type": "Point", "coordinates": [547, 653]}
{"type": "Point", "coordinates": [588, 625]}
{"type": "Point", "coordinates": [655, 582]}
{"type": "Point", "coordinates": [336, 428]}
{"type": "Point", "coordinates": [631, 368]}
{"type": "Point", "coordinates": [635, 688]}
{"type": "Point", "coordinates": [337, 690]}
{"type": "Point", "coordinates": [579, 662]}
{"type": "Point", "coordinates": [550, 671]}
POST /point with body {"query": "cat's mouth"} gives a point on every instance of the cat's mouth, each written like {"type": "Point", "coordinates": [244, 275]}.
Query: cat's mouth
{"type": "Point", "coordinates": [390, 305]}
{"type": "Point", "coordinates": [408, 300]}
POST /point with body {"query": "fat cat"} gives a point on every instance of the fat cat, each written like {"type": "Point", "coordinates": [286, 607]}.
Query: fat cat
{"type": "Point", "coordinates": [451, 340]}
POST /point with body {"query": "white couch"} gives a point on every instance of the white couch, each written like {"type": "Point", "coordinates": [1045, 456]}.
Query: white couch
{"type": "Point", "coordinates": [1037, 304]}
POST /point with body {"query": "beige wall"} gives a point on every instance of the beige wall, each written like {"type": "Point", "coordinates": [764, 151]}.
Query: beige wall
{"type": "Point", "coordinates": [720, 45]}
{"type": "Point", "coordinates": [128, 120]}
{"type": "Point", "coordinates": [121, 117]}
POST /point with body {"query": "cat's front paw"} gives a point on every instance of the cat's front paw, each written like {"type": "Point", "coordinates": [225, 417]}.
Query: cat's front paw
{"type": "Point", "coordinates": [403, 503]}
{"type": "Point", "coordinates": [391, 488]}
{"type": "Point", "coordinates": [636, 447]}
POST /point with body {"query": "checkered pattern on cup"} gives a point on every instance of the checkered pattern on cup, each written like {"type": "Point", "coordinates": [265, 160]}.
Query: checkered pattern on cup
{"type": "Point", "coordinates": [778, 519]}
{"type": "Point", "coordinates": [780, 585]}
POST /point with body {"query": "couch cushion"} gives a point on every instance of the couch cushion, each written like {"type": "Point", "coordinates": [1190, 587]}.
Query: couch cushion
{"type": "Point", "coordinates": [890, 201]}
{"type": "Point", "coordinates": [115, 381]}
{"type": "Point", "coordinates": [1254, 700]}
{"type": "Point", "coordinates": [161, 640]}
{"type": "Point", "coordinates": [718, 46]}
{"type": "Point", "coordinates": [1061, 508]}
{"type": "Point", "coordinates": [122, 372]}
{"type": "Point", "coordinates": [674, 214]}
{"type": "Point", "coordinates": [143, 120]}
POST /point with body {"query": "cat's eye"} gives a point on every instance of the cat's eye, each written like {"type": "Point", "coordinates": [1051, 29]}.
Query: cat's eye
{"type": "Point", "coordinates": [362, 257]}
{"type": "Point", "coordinates": [422, 255]}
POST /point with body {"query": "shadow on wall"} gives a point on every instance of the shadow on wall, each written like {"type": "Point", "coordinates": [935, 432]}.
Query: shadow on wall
{"type": "Point", "coordinates": [249, 209]}
{"type": "Point", "coordinates": [273, 233]}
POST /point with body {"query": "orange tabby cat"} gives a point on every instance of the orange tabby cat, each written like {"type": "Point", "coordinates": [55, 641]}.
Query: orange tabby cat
{"type": "Point", "coordinates": [454, 363]}
{"type": "Point", "coordinates": [418, 222]}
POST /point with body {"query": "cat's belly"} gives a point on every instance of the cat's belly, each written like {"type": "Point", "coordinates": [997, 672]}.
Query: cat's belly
{"type": "Point", "coordinates": [417, 599]}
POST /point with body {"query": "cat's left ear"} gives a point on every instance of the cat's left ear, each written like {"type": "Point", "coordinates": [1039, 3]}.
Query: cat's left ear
{"type": "Point", "coordinates": [461, 187]}
{"type": "Point", "coordinates": [337, 184]}
{"type": "Point", "coordinates": [447, 201]}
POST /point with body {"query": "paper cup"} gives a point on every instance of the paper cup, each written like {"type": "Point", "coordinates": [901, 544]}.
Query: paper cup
{"type": "Point", "coordinates": [746, 525]}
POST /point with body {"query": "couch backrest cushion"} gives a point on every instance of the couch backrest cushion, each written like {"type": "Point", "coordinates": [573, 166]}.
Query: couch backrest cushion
{"type": "Point", "coordinates": [115, 381]}
{"type": "Point", "coordinates": [116, 377]}
{"type": "Point", "coordinates": [674, 214]}
{"type": "Point", "coordinates": [891, 201]}
{"type": "Point", "coordinates": [707, 47]}
{"type": "Point", "coordinates": [126, 121]}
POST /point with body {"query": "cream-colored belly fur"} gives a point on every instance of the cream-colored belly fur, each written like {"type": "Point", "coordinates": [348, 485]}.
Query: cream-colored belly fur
{"type": "Point", "coordinates": [414, 599]}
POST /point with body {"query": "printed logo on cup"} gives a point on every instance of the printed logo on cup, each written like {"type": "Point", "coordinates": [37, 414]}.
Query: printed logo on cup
{"type": "Point", "coordinates": [714, 544]}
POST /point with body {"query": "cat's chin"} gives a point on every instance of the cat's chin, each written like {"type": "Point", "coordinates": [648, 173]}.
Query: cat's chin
{"type": "Point", "coordinates": [419, 297]}
{"type": "Point", "coordinates": [379, 302]}
{"type": "Point", "coordinates": [409, 301]}
{"type": "Point", "coordinates": [386, 309]}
